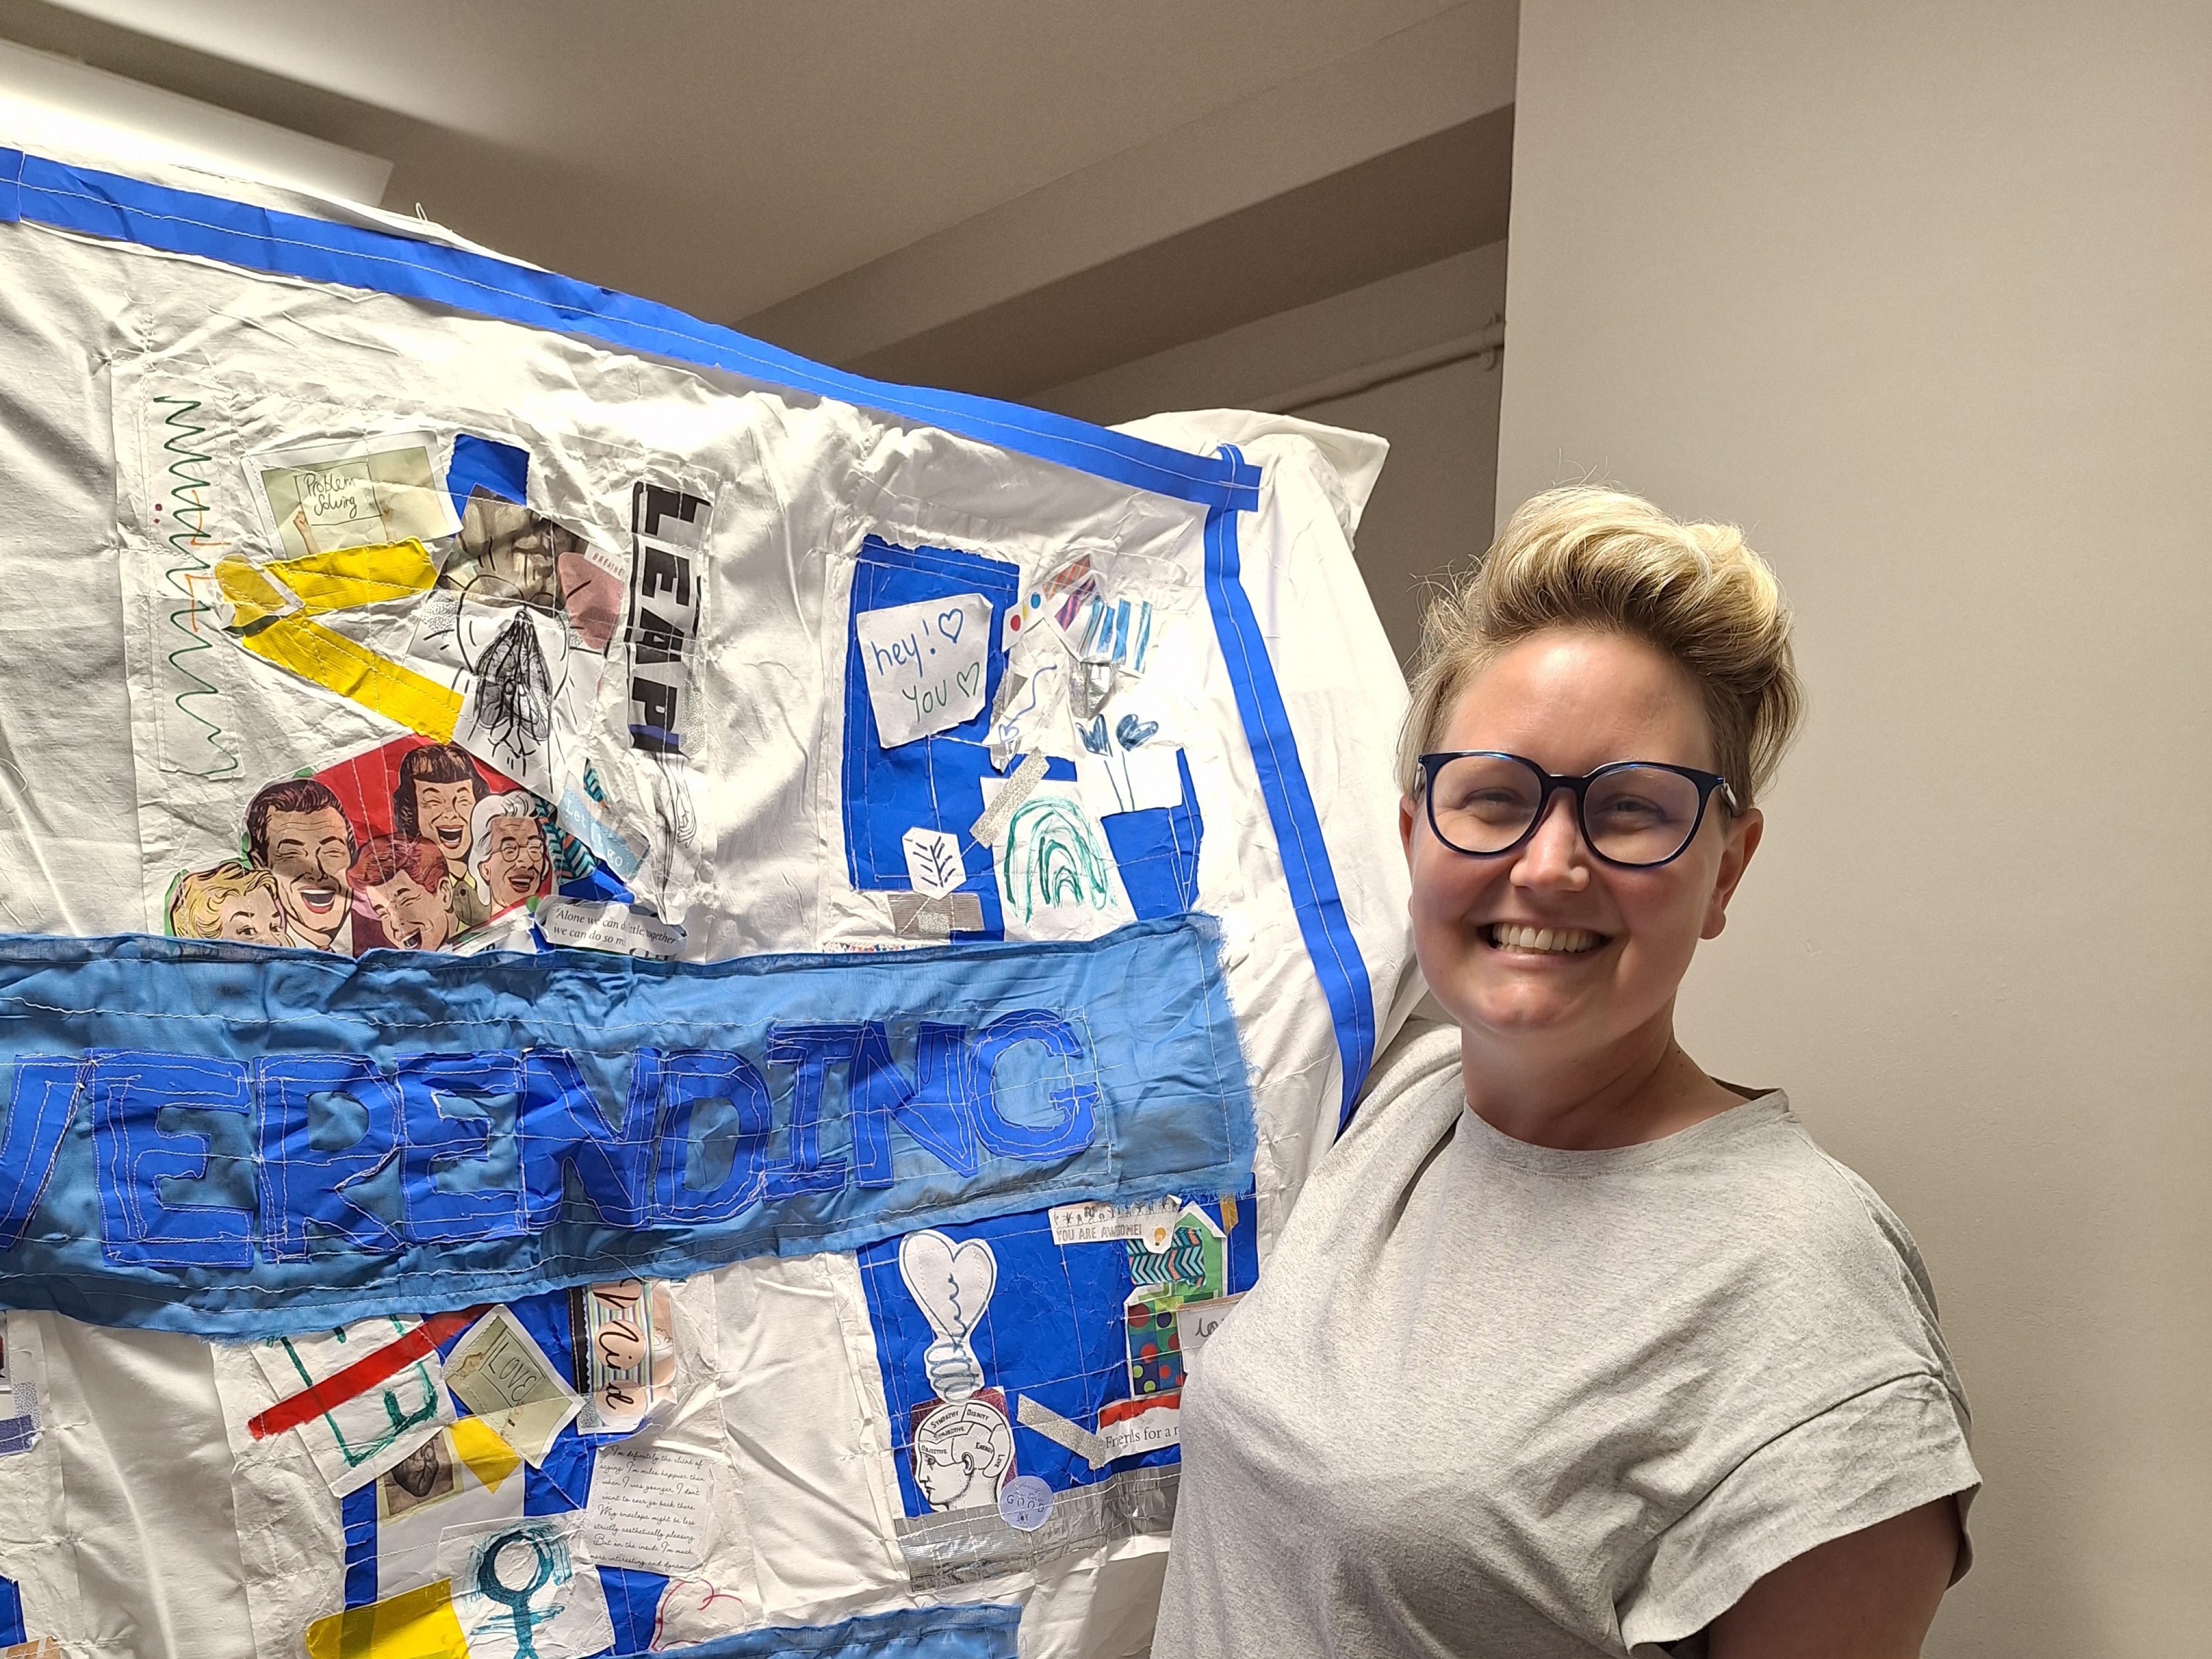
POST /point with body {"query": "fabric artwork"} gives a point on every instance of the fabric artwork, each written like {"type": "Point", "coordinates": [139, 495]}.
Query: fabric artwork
{"type": "Point", "coordinates": [650, 996]}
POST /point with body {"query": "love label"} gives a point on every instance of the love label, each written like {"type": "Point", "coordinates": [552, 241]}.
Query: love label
{"type": "Point", "coordinates": [925, 664]}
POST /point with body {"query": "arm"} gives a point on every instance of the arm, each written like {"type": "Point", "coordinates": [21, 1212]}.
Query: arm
{"type": "Point", "coordinates": [1868, 1595]}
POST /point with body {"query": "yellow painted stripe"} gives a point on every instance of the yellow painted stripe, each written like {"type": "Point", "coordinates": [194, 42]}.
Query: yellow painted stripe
{"type": "Point", "coordinates": [421, 1624]}
{"type": "Point", "coordinates": [358, 575]}
{"type": "Point", "coordinates": [247, 590]}
{"type": "Point", "coordinates": [329, 659]}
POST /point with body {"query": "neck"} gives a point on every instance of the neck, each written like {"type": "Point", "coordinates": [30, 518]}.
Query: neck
{"type": "Point", "coordinates": [1641, 1087]}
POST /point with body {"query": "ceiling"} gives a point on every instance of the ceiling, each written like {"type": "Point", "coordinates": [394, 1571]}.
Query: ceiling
{"type": "Point", "coordinates": [947, 190]}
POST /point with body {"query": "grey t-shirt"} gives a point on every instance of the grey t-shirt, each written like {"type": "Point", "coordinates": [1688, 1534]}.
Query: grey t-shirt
{"type": "Point", "coordinates": [1496, 1399]}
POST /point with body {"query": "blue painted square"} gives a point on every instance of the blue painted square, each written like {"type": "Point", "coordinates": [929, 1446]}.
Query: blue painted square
{"type": "Point", "coordinates": [1053, 1332]}
{"type": "Point", "coordinates": [936, 782]}
{"type": "Point", "coordinates": [1157, 851]}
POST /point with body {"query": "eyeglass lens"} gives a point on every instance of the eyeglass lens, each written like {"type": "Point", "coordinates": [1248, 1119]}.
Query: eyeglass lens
{"type": "Point", "coordinates": [1638, 815]}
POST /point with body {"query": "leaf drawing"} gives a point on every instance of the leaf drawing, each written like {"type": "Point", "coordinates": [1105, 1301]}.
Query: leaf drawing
{"type": "Point", "coordinates": [934, 861]}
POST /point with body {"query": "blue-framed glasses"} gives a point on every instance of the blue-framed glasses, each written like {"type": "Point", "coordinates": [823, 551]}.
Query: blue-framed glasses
{"type": "Point", "coordinates": [1636, 814]}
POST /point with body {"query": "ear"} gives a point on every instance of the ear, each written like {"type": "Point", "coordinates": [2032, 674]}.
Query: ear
{"type": "Point", "coordinates": [1405, 810]}
{"type": "Point", "coordinates": [1736, 854]}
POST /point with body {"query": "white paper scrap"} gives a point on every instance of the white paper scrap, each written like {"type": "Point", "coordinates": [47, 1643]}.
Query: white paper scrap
{"type": "Point", "coordinates": [527, 1589]}
{"type": "Point", "coordinates": [1150, 1223]}
{"type": "Point", "coordinates": [1154, 1428]}
{"type": "Point", "coordinates": [1196, 1322]}
{"type": "Point", "coordinates": [499, 1372]}
{"type": "Point", "coordinates": [932, 861]}
{"type": "Point", "coordinates": [357, 1439]}
{"type": "Point", "coordinates": [649, 1508]}
{"type": "Point", "coordinates": [1056, 870]}
{"type": "Point", "coordinates": [326, 497]}
{"type": "Point", "coordinates": [578, 925]}
{"type": "Point", "coordinates": [1154, 778]}
{"type": "Point", "coordinates": [925, 663]}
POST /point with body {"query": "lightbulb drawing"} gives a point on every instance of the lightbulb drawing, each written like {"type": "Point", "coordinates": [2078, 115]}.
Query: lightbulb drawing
{"type": "Point", "coordinates": [952, 1286]}
{"type": "Point", "coordinates": [963, 1440]}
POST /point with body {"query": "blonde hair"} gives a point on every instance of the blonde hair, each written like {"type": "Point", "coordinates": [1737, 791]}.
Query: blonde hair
{"type": "Point", "coordinates": [196, 907]}
{"type": "Point", "coordinates": [1582, 557]}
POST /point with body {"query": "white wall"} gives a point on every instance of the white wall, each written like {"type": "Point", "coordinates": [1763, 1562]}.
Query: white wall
{"type": "Point", "coordinates": [1921, 296]}
{"type": "Point", "coordinates": [1434, 503]}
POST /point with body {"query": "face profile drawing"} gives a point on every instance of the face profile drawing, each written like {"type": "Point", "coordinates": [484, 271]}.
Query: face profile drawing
{"type": "Point", "coordinates": [963, 1450]}
{"type": "Point", "coordinates": [962, 1441]}
{"type": "Point", "coordinates": [233, 901]}
{"type": "Point", "coordinates": [404, 882]}
{"type": "Point", "coordinates": [297, 832]}
{"type": "Point", "coordinates": [510, 859]}
{"type": "Point", "coordinates": [438, 790]}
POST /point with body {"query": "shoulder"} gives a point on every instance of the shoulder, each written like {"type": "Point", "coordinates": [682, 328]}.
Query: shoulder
{"type": "Point", "coordinates": [1418, 1073]}
{"type": "Point", "coordinates": [1819, 1281]}
{"type": "Point", "coordinates": [1411, 1101]}
{"type": "Point", "coordinates": [1815, 1214]}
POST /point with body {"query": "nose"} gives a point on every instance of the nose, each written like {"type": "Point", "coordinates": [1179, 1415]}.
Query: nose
{"type": "Point", "coordinates": [1554, 855]}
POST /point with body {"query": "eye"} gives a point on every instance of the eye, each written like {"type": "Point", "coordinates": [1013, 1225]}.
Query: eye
{"type": "Point", "coordinates": [1632, 809]}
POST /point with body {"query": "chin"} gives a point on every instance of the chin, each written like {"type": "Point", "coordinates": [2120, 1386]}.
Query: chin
{"type": "Point", "coordinates": [1509, 1009]}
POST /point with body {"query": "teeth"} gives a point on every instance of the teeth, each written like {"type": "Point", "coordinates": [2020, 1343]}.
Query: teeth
{"type": "Point", "coordinates": [1568, 941]}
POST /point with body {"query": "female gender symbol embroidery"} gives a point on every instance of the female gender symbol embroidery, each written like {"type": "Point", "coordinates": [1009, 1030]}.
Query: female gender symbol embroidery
{"type": "Point", "coordinates": [550, 1556]}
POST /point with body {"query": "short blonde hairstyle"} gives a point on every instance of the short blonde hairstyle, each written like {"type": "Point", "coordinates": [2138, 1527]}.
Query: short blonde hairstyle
{"type": "Point", "coordinates": [1598, 559]}
{"type": "Point", "coordinates": [196, 907]}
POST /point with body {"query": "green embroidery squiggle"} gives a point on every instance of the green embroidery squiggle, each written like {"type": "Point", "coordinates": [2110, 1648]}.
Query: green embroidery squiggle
{"type": "Point", "coordinates": [188, 503]}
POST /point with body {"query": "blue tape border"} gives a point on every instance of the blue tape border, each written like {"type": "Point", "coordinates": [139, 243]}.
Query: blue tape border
{"type": "Point", "coordinates": [1328, 930]}
{"type": "Point", "coordinates": [119, 208]}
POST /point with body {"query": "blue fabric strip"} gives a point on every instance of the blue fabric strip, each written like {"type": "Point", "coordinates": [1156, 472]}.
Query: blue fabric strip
{"type": "Point", "coordinates": [966, 1631]}
{"type": "Point", "coordinates": [357, 1514]}
{"type": "Point", "coordinates": [633, 1604]}
{"type": "Point", "coordinates": [11, 1612]}
{"type": "Point", "coordinates": [120, 209]}
{"type": "Point", "coordinates": [1336, 959]}
{"type": "Point", "coordinates": [250, 1142]}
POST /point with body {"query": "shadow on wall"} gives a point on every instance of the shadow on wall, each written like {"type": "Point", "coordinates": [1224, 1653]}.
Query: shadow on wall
{"type": "Point", "coordinates": [1435, 504]}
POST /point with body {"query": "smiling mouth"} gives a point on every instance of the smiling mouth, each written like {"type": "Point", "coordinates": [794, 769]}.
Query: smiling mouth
{"type": "Point", "coordinates": [450, 837]}
{"type": "Point", "coordinates": [1541, 941]}
{"type": "Point", "coordinates": [318, 899]}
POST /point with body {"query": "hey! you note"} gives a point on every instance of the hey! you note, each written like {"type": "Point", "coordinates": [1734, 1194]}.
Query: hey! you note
{"type": "Point", "coordinates": [925, 663]}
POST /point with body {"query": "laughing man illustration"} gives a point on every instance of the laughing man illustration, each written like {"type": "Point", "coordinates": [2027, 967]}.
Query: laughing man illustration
{"type": "Point", "coordinates": [437, 792]}
{"type": "Point", "coordinates": [297, 832]}
{"type": "Point", "coordinates": [963, 1445]}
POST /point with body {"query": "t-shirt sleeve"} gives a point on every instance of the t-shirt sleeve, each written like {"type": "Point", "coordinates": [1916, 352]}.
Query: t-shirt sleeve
{"type": "Point", "coordinates": [1863, 1461]}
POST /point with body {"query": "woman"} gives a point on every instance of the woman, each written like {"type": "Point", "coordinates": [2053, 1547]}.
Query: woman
{"type": "Point", "coordinates": [438, 790]}
{"type": "Point", "coordinates": [1567, 1347]}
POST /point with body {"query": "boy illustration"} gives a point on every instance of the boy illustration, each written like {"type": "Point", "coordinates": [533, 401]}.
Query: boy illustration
{"type": "Point", "coordinates": [407, 886]}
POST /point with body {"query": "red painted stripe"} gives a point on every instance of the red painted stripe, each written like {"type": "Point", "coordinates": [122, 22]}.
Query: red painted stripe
{"type": "Point", "coordinates": [364, 1373]}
